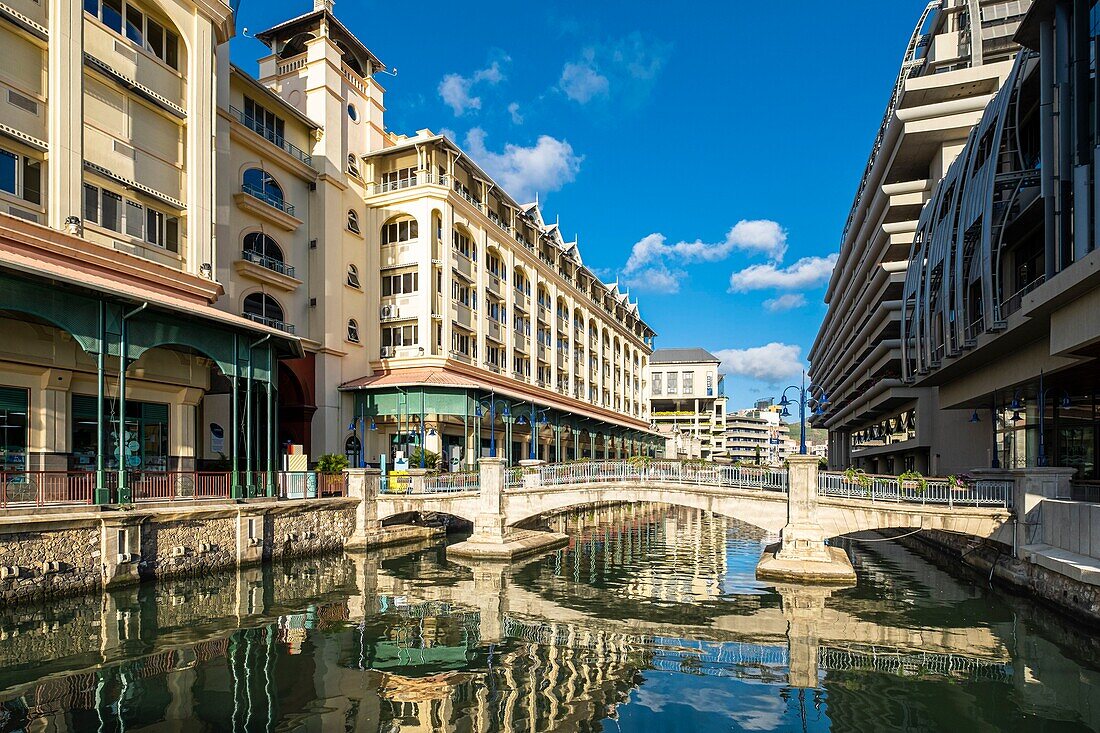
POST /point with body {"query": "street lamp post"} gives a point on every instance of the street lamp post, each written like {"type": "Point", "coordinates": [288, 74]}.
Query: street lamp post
{"type": "Point", "coordinates": [805, 396]}
{"type": "Point", "coordinates": [492, 407]}
{"type": "Point", "coordinates": [535, 425]}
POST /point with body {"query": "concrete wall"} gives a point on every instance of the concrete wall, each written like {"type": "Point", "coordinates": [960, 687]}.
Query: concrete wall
{"type": "Point", "coordinates": [45, 557]}
{"type": "Point", "coordinates": [1072, 526]}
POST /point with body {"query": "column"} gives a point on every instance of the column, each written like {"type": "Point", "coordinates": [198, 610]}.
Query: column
{"type": "Point", "coordinates": [363, 484]}
{"type": "Point", "coordinates": [65, 105]}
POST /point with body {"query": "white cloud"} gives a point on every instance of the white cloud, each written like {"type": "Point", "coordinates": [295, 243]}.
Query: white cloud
{"type": "Point", "coordinates": [656, 279]}
{"type": "Point", "coordinates": [545, 166]}
{"type": "Point", "coordinates": [808, 272]}
{"type": "Point", "coordinates": [513, 109]}
{"type": "Point", "coordinates": [753, 236]}
{"type": "Point", "coordinates": [787, 302]}
{"type": "Point", "coordinates": [771, 363]}
{"type": "Point", "coordinates": [456, 89]}
{"type": "Point", "coordinates": [626, 67]}
{"type": "Point", "coordinates": [581, 81]}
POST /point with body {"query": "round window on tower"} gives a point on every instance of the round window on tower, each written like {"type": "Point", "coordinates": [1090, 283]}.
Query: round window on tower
{"type": "Point", "coordinates": [353, 113]}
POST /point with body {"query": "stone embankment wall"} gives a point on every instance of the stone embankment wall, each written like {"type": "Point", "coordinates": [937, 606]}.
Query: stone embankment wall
{"type": "Point", "coordinates": [992, 559]}
{"type": "Point", "coordinates": [47, 555]}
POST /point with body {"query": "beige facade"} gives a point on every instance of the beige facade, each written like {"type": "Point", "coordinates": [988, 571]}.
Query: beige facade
{"type": "Point", "coordinates": [959, 55]}
{"type": "Point", "coordinates": [686, 403]}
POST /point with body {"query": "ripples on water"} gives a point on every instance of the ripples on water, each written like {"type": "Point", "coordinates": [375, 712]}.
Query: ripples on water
{"type": "Point", "coordinates": [651, 620]}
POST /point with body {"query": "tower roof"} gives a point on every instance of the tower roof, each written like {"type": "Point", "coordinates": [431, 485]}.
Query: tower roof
{"type": "Point", "coordinates": [284, 38]}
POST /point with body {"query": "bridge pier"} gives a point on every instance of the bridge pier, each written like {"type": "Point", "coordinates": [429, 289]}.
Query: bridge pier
{"type": "Point", "coordinates": [491, 538]}
{"type": "Point", "coordinates": [364, 484]}
{"type": "Point", "coordinates": [802, 555]}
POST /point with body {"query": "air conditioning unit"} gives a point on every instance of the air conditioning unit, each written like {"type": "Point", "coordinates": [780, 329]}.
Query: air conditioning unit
{"type": "Point", "coordinates": [389, 311]}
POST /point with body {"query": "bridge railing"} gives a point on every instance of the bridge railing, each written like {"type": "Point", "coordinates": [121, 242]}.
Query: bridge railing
{"type": "Point", "coordinates": [447, 483]}
{"type": "Point", "coordinates": [677, 472]}
{"type": "Point", "coordinates": [938, 491]}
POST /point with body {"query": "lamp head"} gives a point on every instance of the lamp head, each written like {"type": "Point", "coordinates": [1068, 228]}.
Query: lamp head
{"type": "Point", "coordinates": [784, 402]}
{"type": "Point", "coordinates": [521, 420]}
{"type": "Point", "coordinates": [786, 412]}
{"type": "Point", "coordinates": [507, 412]}
{"type": "Point", "coordinates": [431, 432]}
{"type": "Point", "coordinates": [1066, 402]}
{"type": "Point", "coordinates": [974, 417]}
{"type": "Point", "coordinates": [1015, 404]}
{"type": "Point", "coordinates": [1016, 416]}
{"type": "Point", "coordinates": [824, 399]}
{"type": "Point", "coordinates": [373, 426]}
{"type": "Point", "coordinates": [544, 422]}
{"type": "Point", "coordinates": [351, 425]}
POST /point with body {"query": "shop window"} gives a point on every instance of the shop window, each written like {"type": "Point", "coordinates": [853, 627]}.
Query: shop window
{"type": "Point", "coordinates": [145, 443]}
{"type": "Point", "coordinates": [14, 404]}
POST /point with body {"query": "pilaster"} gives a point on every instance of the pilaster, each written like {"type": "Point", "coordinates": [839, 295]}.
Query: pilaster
{"type": "Point", "coordinates": [66, 112]}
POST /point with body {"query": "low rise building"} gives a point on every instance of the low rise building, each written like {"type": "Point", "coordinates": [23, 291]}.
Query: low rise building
{"type": "Point", "coordinates": [687, 403]}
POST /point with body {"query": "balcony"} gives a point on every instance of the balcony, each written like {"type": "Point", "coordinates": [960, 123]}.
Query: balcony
{"type": "Point", "coordinates": [494, 284]}
{"type": "Point", "coordinates": [544, 314]}
{"type": "Point", "coordinates": [462, 265]}
{"type": "Point", "coordinates": [267, 270]}
{"type": "Point", "coordinates": [279, 212]}
{"type": "Point", "coordinates": [271, 136]}
{"type": "Point", "coordinates": [270, 322]}
{"type": "Point", "coordinates": [521, 342]}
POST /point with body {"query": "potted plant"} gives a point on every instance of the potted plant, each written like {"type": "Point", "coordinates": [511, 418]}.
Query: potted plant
{"type": "Point", "coordinates": [331, 464]}
{"type": "Point", "coordinates": [913, 481]}
{"type": "Point", "coordinates": [857, 477]}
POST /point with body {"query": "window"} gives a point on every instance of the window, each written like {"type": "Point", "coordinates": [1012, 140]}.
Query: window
{"type": "Point", "coordinates": [689, 382]}
{"type": "Point", "coordinates": [710, 385]}
{"type": "Point", "coordinates": [400, 335]}
{"type": "Point", "coordinates": [141, 30]}
{"type": "Point", "coordinates": [353, 276]}
{"type": "Point", "coordinates": [398, 179]}
{"type": "Point", "coordinates": [353, 221]}
{"type": "Point", "coordinates": [460, 293]}
{"type": "Point", "coordinates": [21, 176]}
{"type": "Point", "coordinates": [262, 308]}
{"type": "Point", "coordinates": [13, 435]}
{"type": "Point", "coordinates": [404, 230]}
{"type": "Point", "coordinates": [353, 166]}
{"type": "Point", "coordinates": [671, 383]}
{"type": "Point", "coordinates": [260, 184]}
{"type": "Point", "coordinates": [461, 244]}
{"type": "Point", "coordinates": [353, 331]}
{"type": "Point", "coordinates": [402, 284]}
{"type": "Point", "coordinates": [134, 219]}
{"type": "Point", "coordinates": [146, 428]}
{"type": "Point", "coordinates": [263, 121]}
{"type": "Point", "coordinates": [259, 247]}
{"type": "Point", "coordinates": [353, 113]}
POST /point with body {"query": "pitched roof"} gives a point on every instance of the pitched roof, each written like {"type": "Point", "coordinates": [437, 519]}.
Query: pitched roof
{"type": "Point", "coordinates": [682, 356]}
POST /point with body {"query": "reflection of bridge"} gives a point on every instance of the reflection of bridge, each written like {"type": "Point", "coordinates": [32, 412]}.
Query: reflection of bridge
{"type": "Point", "coordinates": [810, 632]}
{"type": "Point", "coordinates": [807, 506]}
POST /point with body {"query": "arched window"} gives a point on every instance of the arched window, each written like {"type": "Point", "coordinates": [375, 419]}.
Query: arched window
{"type": "Point", "coordinates": [260, 184]}
{"type": "Point", "coordinates": [353, 166]}
{"type": "Point", "coordinates": [353, 331]}
{"type": "Point", "coordinates": [264, 309]}
{"type": "Point", "coordinates": [353, 221]}
{"type": "Point", "coordinates": [402, 230]}
{"type": "Point", "coordinates": [353, 276]}
{"type": "Point", "coordinates": [259, 245]}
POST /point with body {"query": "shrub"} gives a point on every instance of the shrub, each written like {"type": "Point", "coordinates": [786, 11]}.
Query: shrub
{"type": "Point", "coordinates": [332, 463]}
{"type": "Point", "coordinates": [431, 459]}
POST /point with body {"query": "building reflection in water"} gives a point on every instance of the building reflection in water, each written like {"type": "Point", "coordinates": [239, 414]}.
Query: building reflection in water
{"type": "Point", "coordinates": [650, 610]}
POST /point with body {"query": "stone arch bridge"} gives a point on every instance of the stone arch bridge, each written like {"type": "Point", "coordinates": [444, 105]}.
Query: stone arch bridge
{"type": "Point", "coordinates": [805, 506]}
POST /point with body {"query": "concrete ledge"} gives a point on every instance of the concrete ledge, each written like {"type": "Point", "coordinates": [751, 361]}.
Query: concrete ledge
{"type": "Point", "coordinates": [397, 535]}
{"type": "Point", "coordinates": [837, 570]}
{"type": "Point", "coordinates": [1082, 568]}
{"type": "Point", "coordinates": [516, 544]}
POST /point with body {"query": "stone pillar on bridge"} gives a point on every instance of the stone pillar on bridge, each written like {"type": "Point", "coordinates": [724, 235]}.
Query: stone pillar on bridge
{"type": "Point", "coordinates": [1029, 488]}
{"type": "Point", "coordinates": [363, 484]}
{"type": "Point", "coordinates": [490, 539]}
{"type": "Point", "coordinates": [802, 555]}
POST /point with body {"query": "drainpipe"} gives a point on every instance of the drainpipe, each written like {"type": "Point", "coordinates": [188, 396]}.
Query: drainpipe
{"type": "Point", "coordinates": [1046, 143]}
{"type": "Point", "coordinates": [102, 493]}
{"type": "Point", "coordinates": [124, 490]}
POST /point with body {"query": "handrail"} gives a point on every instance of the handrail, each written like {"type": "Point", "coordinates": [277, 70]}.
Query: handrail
{"type": "Point", "coordinates": [270, 263]}
{"type": "Point", "coordinates": [270, 135]}
{"type": "Point", "coordinates": [274, 201]}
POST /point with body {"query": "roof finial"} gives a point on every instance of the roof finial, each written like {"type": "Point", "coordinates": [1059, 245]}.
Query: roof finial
{"type": "Point", "coordinates": [323, 5]}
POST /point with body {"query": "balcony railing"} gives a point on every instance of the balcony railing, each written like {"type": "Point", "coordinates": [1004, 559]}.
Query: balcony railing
{"type": "Point", "coordinates": [270, 322]}
{"type": "Point", "coordinates": [1016, 300]}
{"type": "Point", "coordinates": [258, 193]}
{"type": "Point", "coordinates": [271, 263]}
{"type": "Point", "coordinates": [270, 135]}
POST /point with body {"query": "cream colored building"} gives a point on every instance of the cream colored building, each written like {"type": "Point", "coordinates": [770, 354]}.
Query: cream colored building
{"type": "Point", "coordinates": [219, 237]}
{"type": "Point", "coordinates": [687, 404]}
{"type": "Point", "coordinates": [957, 58]}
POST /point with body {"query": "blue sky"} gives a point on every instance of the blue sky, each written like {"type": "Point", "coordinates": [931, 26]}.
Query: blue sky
{"type": "Point", "coordinates": [706, 154]}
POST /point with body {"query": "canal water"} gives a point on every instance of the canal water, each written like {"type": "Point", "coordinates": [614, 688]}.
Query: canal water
{"type": "Point", "coordinates": [650, 620]}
